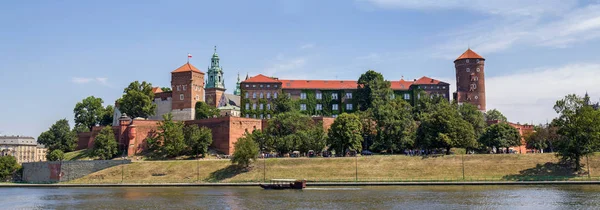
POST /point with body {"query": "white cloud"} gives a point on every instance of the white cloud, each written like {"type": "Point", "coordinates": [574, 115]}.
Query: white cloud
{"type": "Point", "coordinates": [307, 46]}
{"type": "Point", "coordinates": [285, 67]}
{"type": "Point", "coordinates": [85, 80]}
{"type": "Point", "coordinates": [529, 96]}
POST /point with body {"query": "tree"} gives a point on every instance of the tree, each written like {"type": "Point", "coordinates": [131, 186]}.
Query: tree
{"type": "Point", "coordinates": [55, 155]}
{"type": "Point", "coordinates": [106, 118]}
{"type": "Point", "coordinates": [284, 128]}
{"type": "Point", "coordinates": [445, 128]}
{"type": "Point", "coordinates": [137, 100]}
{"type": "Point", "coordinates": [539, 139]}
{"type": "Point", "coordinates": [8, 166]}
{"type": "Point", "coordinates": [473, 116]}
{"type": "Point", "coordinates": [261, 138]}
{"type": "Point", "coordinates": [165, 89]}
{"type": "Point", "coordinates": [88, 112]}
{"type": "Point", "coordinates": [246, 151]}
{"type": "Point", "coordinates": [425, 104]}
{"type": "Point", "coordinates": [171, 137]}
{"type": "Point", "coordinates": [371, 86]}
{"type": "Point", "coordinates": [579, 125]}
{"type": "Point", "coordinates": [105, 144]}
{"type": "Point", "coordinates": [395, 125]}
{"type": "Point", "coordinates": [204, 111]}
{"type": "Point", "coordinates": [59, 136]}
{"type": "Point", "coordinates": [369, 127]}
{"type": "Point", "coordinates": [494, 114]}
{"type": "Point", "coordinates": [344, 134]}
{"type": "Point", "coordinates": [314, 139]}
{"type": "Point", "coordinates": [500, 135]}
{"type": "Point", "coordinates": [197, 139]}
{"type": "Point", "coordinates": [283, 104]}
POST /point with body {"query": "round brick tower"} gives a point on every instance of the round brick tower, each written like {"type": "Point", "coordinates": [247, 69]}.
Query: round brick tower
{"type": "Point", "coordinates": [470, 79]}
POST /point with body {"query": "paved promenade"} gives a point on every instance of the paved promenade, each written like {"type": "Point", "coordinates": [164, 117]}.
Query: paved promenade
{"type": "Point", "coordinates": [311, 184]}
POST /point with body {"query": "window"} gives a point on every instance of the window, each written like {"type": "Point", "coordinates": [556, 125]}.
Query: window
{"type": "Point", "coordinates": [253, 106]}
{"type": "Point", "coordinates": [334, 96]}
{"type": "Point", "coordinates": [275, 85]}
{"type": "Point", "coordinates": [184, 87]}
{"type": "Point", "coordinates": [473, 87]}
{"type": "Point", "coordinates": [302, 107]}
{"type": "Point", "coordinates": [443, 87]}
{"type": "Point", "coordinates": [275, 95]}
{"type": "Point", "coordinates": [478, 69]}
{"type": "Point", "coordinates": [444, 95]}
{"type": "Point", "coordinates": [253, 95]}
{"type": "Point", "coordinates": [254, 86]}
{"type": "Point", "coordinates": [261, 95]}
{"type": "Point", "coordinates": [425, 87]}
{"type": "Point", "coordinates": [479, 106]}
{"type": "Point", "coordinates": [247, 85]}
{"type": "Point", "coordinates": [268, 106]}
{"type": "Point", "coordinates": [247, 94]}
{"type": "Point", "coordinates": [468, 69]}
{"type": "Point", "coordinates": [392, 96]}
{"type": "Point", "coordinates": [178, 87]}
{"type": "Point", "coordinates": [319, 96]}
{"type": "Point", "coordinates": [476, 97]}
{"type": "Point", "coordinates": [406, 96]}
{"type": "Point", "coordinates": [261, 106]}
{"type": "Point", "coordinates": [197, 97]}
{"type": "Point", "coordinates": [268, 116]}
{"type": "Point", "coordinates": [181, 97]}
{"type": "Point", "coordinates": [348, 95]}
{"type": "Point", "coordinates": [476, 60]}
{"type": "Point", "coordinates": [334, 107]}
{"type": "Point", "coordinates": [319, 107]}
{"type": "Point", "coordinates": [268, 95]}
{"type": "Point", "coordinates": [302, 95]}
{"type": "Point", "coordinates": [348, 106]}
{"type": "Point", "coordinates": [474, 78]}
{"type": "Point", "coordinates": [247, 106]}
{"type": "Point", "coordinates": [247, 116]}
{"type": "Point", "coordinates": [268, 85]}
{"type": "Point", "coordinates": [467, 61]}
{"type": "Point", "coordinates": [261, 85]}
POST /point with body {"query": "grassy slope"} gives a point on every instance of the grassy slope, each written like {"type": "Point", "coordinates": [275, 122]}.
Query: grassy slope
{"type": "Point", "coordinates": [83, 154]}
{"type": "Point", "coordinates": [375, 168]}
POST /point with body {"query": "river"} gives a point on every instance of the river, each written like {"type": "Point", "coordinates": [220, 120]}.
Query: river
{"type": "Point", "coordinates": [388, 197]}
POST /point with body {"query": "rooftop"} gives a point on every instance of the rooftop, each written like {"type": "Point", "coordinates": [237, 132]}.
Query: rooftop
{"type": "Point", "coordinates": [338, 84]}
{"type": "Point", "coordinates": [469, 54]}
{"type": "Point", "coordinates": [187, 67]}
{"type": "Point", "coordinates": [18, 140]}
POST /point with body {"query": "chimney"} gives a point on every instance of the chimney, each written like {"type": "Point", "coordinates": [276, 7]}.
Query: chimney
{"type": "Point", "coordinates": [415, 80]}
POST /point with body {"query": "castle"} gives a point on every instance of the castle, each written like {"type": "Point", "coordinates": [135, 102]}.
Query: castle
{"type": "Point", "coordinates": [250, 105]}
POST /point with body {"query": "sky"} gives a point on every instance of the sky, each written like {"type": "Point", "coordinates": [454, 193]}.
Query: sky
{"type": "Point", "coordinates": [53, 54]}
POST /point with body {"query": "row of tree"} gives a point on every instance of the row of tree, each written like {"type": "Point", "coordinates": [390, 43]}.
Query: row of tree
{"type": "Point", "coordinates": [176, 139]}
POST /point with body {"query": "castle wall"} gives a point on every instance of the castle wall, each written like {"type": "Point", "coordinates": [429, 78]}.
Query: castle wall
{"type": "Point", "coordinates": [183, 114]}
{"type": "Point", "coordinates": [163, 106]}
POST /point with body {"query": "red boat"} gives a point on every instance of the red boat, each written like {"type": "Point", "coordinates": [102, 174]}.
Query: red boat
{"type": "Point", "coordinates": [281, 184]}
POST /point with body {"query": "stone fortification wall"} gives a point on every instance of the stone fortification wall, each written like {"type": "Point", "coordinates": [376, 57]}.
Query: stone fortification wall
{"type": "Point", "coordinates": [163, 106]}
{"type": "Point", "coordinates": [61, 171]}
{"type": "Point", "coordinates": [183, 114]}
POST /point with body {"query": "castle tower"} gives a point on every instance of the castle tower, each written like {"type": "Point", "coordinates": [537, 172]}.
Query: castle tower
{"type": "Point", "coordinates": [237, 90]}
{"type": "Point", "coordinates": [470, 79]}
{"type": "Point", "coordinates": [187, 83]}
{"type": "Point", "coordinates": [215, 85]}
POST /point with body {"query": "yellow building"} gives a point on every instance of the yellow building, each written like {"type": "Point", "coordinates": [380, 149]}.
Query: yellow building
{"type": "Point", "coordinates": [24, 149]}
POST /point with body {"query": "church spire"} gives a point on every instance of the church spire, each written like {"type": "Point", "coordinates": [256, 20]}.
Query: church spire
{"type": "Point", "coordinates": [215, 72]}
{"type": "Point", "coordinates": [237, 90]}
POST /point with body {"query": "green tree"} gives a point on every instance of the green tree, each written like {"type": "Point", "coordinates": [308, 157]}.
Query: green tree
{"type": "Point", "coordinates": [246, 151]}
{"type": "Point", "coordinates": [344, 134]}
{"type": "Point", "coordinates": [8, 166]}
{"type": "Point", "coordinates": [395, 125]}
{"type": "Point", "coordinates": [540, 138]}
{"type": "Point", "coordinates": [425, 104]}
{"type": "Point", "coordinates": [473, 116]}
{"type": "Point", "coordinates": [171, 136]}
{"type": "Point", "coordinates": [106, 118]}
{"type": "Point", "coordinates": [579, 125]}
{"type": "Point", "coordinates": [445, 128]}
{"type": "Point", "coordinates": [371, 86]}
{"type": "Point", "coordinates": [197, 139]}
{"type": "Point", "coordinates": [204, 111]}
{"type": "Point", "coordinates": [284, 128]}
{"type": "Point", "coordinates": [500, 135]}
{"type": "Point", "coordinates": [137, 100]}
{"type": "Point", "coordinates": [59, 136]}
{"type": "Point", "coordinates": [165, 89]}
{"type": "Point", "coordinates": [283, 104]}
{"type": "Point", "coordinates": [369, 127]}
{"type": "Point", "coordinates": [55, 155]}
{"type": "Point", "coordinates": [88, 112]}
{"type": "Point", "coordinates": [494, 114]}
{"type": "Point", "coordinates": [314, 139]}
{"type": "Point", "coordinates": [105, 144]}
{"type": "Point", "coordinates": [80, 129]}
{"type": "Point", "coordinates": [261, 138]}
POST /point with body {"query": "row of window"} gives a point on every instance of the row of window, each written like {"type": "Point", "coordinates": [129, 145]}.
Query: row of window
{"type": "Point", "coordinates": [262, 95]}
{"type": "Point", "coordinates": [268, 116]}
{"type": "Point", "coordinates": [469, 69]}
{"type": "Point", "coordinates": [476, 61]}
{"type": "Point", "coordinates": [247, 85]}
{"type": "Point", "coordinates": [319, 96]}
{"type": "Point", "coordinates": [432, 87]}
{"type": "Point", "coordinates": [181, 97]}
{"type": "Point", "coordinates": [319, 107]}
{"type": "Point", "coordinates": [406, 96]}
{"type": "Point", "coordinates": [261, 106]}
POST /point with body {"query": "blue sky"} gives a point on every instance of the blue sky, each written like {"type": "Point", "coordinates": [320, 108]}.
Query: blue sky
{"type": "Point", "coordinates": [55, 53]}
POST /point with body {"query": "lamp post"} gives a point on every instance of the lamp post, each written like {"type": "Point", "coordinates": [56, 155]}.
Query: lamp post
{"type": "Point", "coordinates": [463, 165]}
{"type": "Point", "coordinates": [197, 166]}
{"type": "Point", "coordinates": [587, 162]}
{"type": "Point", "coordinates": [264, 166]}
{"type": "Point", "coordinates": [356, 167]}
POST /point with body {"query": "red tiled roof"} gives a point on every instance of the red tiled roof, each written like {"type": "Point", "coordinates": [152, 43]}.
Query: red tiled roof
{"type": "Point", "coordinates": [156, 90]}
{"type": "Point", "coordinates": [427, 81]}
{"type": "Point", "coordinates": [187, 67]}
{"type": "Point", "coordinates": [400, 85]}
{"type": "Point", "coordinates": [318, 84]}
{"type": "Point", "coordinates": [469, 54]}
{"type": "Point", "coordinates": [260, 78]}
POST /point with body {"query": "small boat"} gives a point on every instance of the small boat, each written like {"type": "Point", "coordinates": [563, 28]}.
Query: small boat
{"type": "Point", "coordinates": [281, 184]}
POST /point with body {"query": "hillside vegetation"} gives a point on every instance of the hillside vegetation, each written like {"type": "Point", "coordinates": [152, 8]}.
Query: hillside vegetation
{"type": "Point", "coordinates": [370, 168]}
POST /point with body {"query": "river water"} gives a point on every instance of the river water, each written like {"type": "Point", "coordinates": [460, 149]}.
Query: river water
{"type": "Point", "coordinates": [393, 197]}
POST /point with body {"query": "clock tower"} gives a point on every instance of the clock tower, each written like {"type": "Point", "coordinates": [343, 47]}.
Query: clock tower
{"type": "Point", "coordinates": [215, 85]}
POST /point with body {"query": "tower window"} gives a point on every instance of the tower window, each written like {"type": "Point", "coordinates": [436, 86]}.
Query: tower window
{"type": "Point", "coordinates": [468, 70]}
{"type": "Point", "coordinates": [476, 97]}
{"type": "Point", "coordinates": [467, 61]}
{"type": "Point", "coordinates": [181, 97]}
{"type": "Point", "coordinates": [478, 69]}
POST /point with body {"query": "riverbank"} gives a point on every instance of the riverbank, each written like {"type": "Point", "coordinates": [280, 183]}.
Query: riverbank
{"type": "Point", "coordinates": [397, 168]}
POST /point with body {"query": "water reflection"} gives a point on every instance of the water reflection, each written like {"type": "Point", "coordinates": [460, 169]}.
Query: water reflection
{"type": "Point", "coordinates": [395, 197]}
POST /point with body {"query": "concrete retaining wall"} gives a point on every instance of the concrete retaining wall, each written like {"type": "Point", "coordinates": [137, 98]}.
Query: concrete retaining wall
{"type": "Point", "coordinates": [61, 171]}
